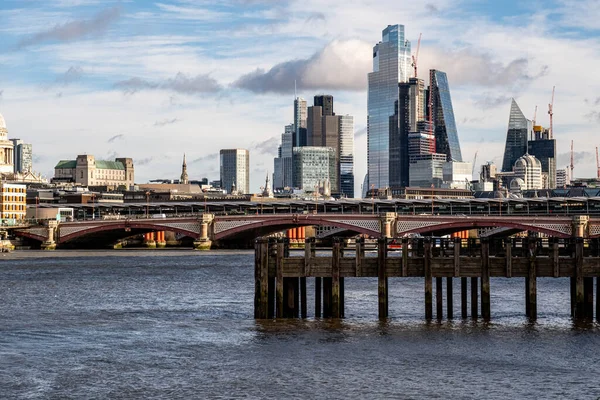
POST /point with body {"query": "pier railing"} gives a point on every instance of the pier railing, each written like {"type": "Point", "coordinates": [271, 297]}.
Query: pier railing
{"type": "Point", "coordinates": [280, 279]}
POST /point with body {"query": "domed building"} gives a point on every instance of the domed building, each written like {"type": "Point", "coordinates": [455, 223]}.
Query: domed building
{"type": "Point", "coordinates": [6, 149]}
{"type": "Point", "coordinates": [528, 173]}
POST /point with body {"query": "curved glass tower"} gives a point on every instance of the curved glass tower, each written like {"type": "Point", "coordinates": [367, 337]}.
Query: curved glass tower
{"type": "Point", "coordinates": [516, 137]}
{"type": "Point", "coordinates": [446, 134]}
{"type": "Point", "coordinates": [391, 65]}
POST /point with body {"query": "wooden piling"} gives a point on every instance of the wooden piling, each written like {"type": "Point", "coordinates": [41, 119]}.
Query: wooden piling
{"type": "Point", "coordinates": [485, 279]}
{"type": "Point", "coordinates": [531, 281]}
{"type": "Point", "coordinates": [404, 256]}
{"type": "Point", "coordinates": [303, 310]}
{"type": "Point", "coordinates": [318, 296]}
{"type": "Point", "coordinates": [474, 296]}
{"type": "Point", "coordinates": [508, 246]}
{"type": "Point", "coordinates": [588, 293]}
{"type": "Point", "coordinates": [279, 281]}
{"type": "Point", "coordinates": [449, 300]}
{"type": "Point", "coordinates": [555, 258]}
{"type": "Point", "coordinates": [335, 279]}
{"type": "Point", "coordinates": [360, 255]}
{"type": "Point", "coordinates": [261, 288]}
{"type": "Point", "coordinates": [439, 300]}
{"type": "Point", "coordinates": [463, 298]}
{"type": "Point", "coordinates": [342, 305]}
{"type": "Point", "coordinates": [382, 280]}
{"type": "Point", "coordinates": [428, 282]}
{"type": "Point", "coordinates": [457, 244]}
{"type": "Point", "coordinates": [579, 295]}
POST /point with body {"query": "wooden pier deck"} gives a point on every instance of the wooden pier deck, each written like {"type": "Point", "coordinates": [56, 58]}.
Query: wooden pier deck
{"type": "Point", "coordinates": [280, 280]}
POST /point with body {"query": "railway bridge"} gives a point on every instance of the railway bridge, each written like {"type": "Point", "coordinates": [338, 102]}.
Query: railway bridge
{"type": "Point", "coordinates": [206, 229]}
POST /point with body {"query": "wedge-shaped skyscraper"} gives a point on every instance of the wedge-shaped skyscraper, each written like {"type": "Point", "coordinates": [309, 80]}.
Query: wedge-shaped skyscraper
{"type": "Point", "coordinates": [446, 134]}
{"type": "Point", "coordinates": [519, 128]}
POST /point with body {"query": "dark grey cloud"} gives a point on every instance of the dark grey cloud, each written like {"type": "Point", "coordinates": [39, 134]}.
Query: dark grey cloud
{"type": "Point", "coordinates": [73, 74]}
{"type": "Point", "coordinates": [182, 83]}
{"type": "Point", "coordinates": [209, 157]}
{"type": "Point", "coordinates": [341, 65]}
{"type": "Point", "coordinates": [75, 29]}
{"type": "Point", "coordinates": [143, 161]}
{"type": "Point", "coordinates": [489, 100]}
{"type": "Point", "coordinates": [166, 122]}
{"type": "Point", "coordinates": [268, 146]}
{"type": "Point", "coordinates": [116, 137]}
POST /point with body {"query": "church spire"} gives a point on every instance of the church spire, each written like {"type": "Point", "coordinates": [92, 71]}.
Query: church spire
{"type": "Point", "coordinates": [184, 175]}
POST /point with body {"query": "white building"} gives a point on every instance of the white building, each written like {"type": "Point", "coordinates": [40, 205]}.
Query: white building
{"type": "Point", "coordinates": [6, 150]}
{"type": "Point", "coordinates": [87, 171]}
{"type": "Point", "coordinates": [457, 174]}
{"type": "Point", "coordinates": [529, 170]}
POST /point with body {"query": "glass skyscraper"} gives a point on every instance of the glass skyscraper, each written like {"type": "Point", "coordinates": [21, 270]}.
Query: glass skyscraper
{"type": "Point", "coordinates": [346, 155]}
{"type": "Point", "coordinates": [391, 65]}
{"type": "Point", "coordinates": [446, 134]}
{"type": "Point", "coordinates": [516, 137]}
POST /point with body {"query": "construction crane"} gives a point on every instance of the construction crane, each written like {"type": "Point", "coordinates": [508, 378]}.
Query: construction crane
{"type": "Point", "coordinates": [551, 113]}
{"type": "Point", "coordinates": [534, 117]}
{"type": "Point", "coordinates": [474, 162]}
{"type": "Point", "coordinates": [571, 166]}
{"type": "Point", "coordinates": [597, 164]}
{"type": "Point", "coordinates": [415, 57]}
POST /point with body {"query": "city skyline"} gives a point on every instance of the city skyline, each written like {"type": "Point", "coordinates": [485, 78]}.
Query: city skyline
{"type": "Point", "coordinates": [129, 80]}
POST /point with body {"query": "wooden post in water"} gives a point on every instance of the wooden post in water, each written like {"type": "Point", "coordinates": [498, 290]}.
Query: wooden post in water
{"type": "Point", "coordinates": [382, 280]}
{"type": "Point", "coordinates": [360, 255]}
{"type": "Point", "coordinates": [588, 293]}
{"type": "Point", "coordinates": [428, 282]}
{"type": "Point", "coordinates": [531, 298]}
{"type": "Point", "coordinates": [449, 300]}
{"type": "Point", "coordinates": [463, 298]}
{"type": "Point", "coordinates": [485, 279]}
{"type": "Point", "coordinates": [508, 246]}
{"type": "Point", "coordinates": [279, 282]}
{"type": "Point", "coordinates": [474, 296]}
{"type": "Point", "coordinates": [579, 292]}
{"type": "Point", "coordinates": [261, 274]}
{"type": "Point", "coordinates": [555, 258]}
{"type": "Point", "coordinates": [439, 298]}
{"type": "Point", "coordinates": [404, 256]}
{"type": "Point", "coordinates": [335, 278]}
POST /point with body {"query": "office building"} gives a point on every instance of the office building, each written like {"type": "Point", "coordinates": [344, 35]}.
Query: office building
{"type": "Point", "coordinates": [85, 170]}
{"type": "Point", "coordinates": [314, 167]}
{"type": "Point", "coordinates": [544, 149]}
{"type": "Point", "coordinates": [13, 204]}
{"type": "Point", "coordinates": [391, 65]}
{"type": "Point", "coordinates": [519, 129]}
{"type": "Point", "coordinates": [427, 170]}
{"type": "Point", "coordinates": [562, 179]}
{"type": "Point", "coordinates": [314, 126]}
{"type": "Point", "coordinates": [346, 155]}
{"type": "Point", "coordinates": [235, 171]}
{"type": "Point", "coordinates": [446, 133]}
{"type": "Point", "coordinates": [282, 172]}
{"type": "Point", "coordinates": [457, 174]}
{"type": "Point", "coordinates": [300, 117]}
{"type": "Point", "coordinates": [22, 156]}
{"type": "Point", "coordinates": [6, 150]}
{"type": "Point", "coordinates": [325, 101]}
{"type": "Point", "coordinates": [528, 173]}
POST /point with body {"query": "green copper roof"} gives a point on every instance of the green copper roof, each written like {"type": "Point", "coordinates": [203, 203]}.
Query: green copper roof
{"type": "Point", "coordinates": [66, 164]}
{"type": "Point", "coordinates": [100, 164]}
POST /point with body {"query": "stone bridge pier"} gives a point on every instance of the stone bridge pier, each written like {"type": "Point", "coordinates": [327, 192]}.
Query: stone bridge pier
{"type": "Point", "coordinates": [206, 232]}
{"type": "Point", "coordinates": [50, 242]}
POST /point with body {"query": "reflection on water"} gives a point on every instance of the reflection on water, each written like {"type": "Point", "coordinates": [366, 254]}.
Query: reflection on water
{"type": "Point", "coordinates": [178, 324]}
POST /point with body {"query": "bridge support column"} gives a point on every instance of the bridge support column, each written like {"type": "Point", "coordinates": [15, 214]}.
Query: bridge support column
{"type": "Point", "coordinates": [149, 241]}
{"type": "Point", "coordinates": [204, 242]}
{"type": "Point", "coordinates": [160, 239]}
{"type": "Point", "coordinates": [50, 244]}
{"type": "Point", "coordinates": [387, 225]}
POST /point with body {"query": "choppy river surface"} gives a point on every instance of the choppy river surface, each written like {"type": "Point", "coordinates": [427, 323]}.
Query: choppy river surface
{"type": "Point", "coordinates": [179, 324]}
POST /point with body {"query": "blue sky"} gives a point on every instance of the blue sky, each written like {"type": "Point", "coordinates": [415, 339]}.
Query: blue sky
{"type": "Point", "coordinates": [152, 80]}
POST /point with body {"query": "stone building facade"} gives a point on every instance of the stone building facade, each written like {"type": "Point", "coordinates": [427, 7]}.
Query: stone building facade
{"type": "Point", "coordinates": [87, 171]}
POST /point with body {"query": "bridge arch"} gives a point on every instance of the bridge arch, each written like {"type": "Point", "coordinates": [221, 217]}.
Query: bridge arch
{"type": "Point", "coordinates": [227, 228]}
{"type": "Point", "coordinates": [554, 228]}
{"type": "Point", "coordinates": [73, 231]}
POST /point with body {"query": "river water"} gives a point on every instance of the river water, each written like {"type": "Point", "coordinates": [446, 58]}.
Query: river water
{"type": "Point", "coordinates": [179, 324]}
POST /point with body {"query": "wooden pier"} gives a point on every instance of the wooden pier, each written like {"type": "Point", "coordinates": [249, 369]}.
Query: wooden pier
{"type": "Point", "coordinates": [280, 280]}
